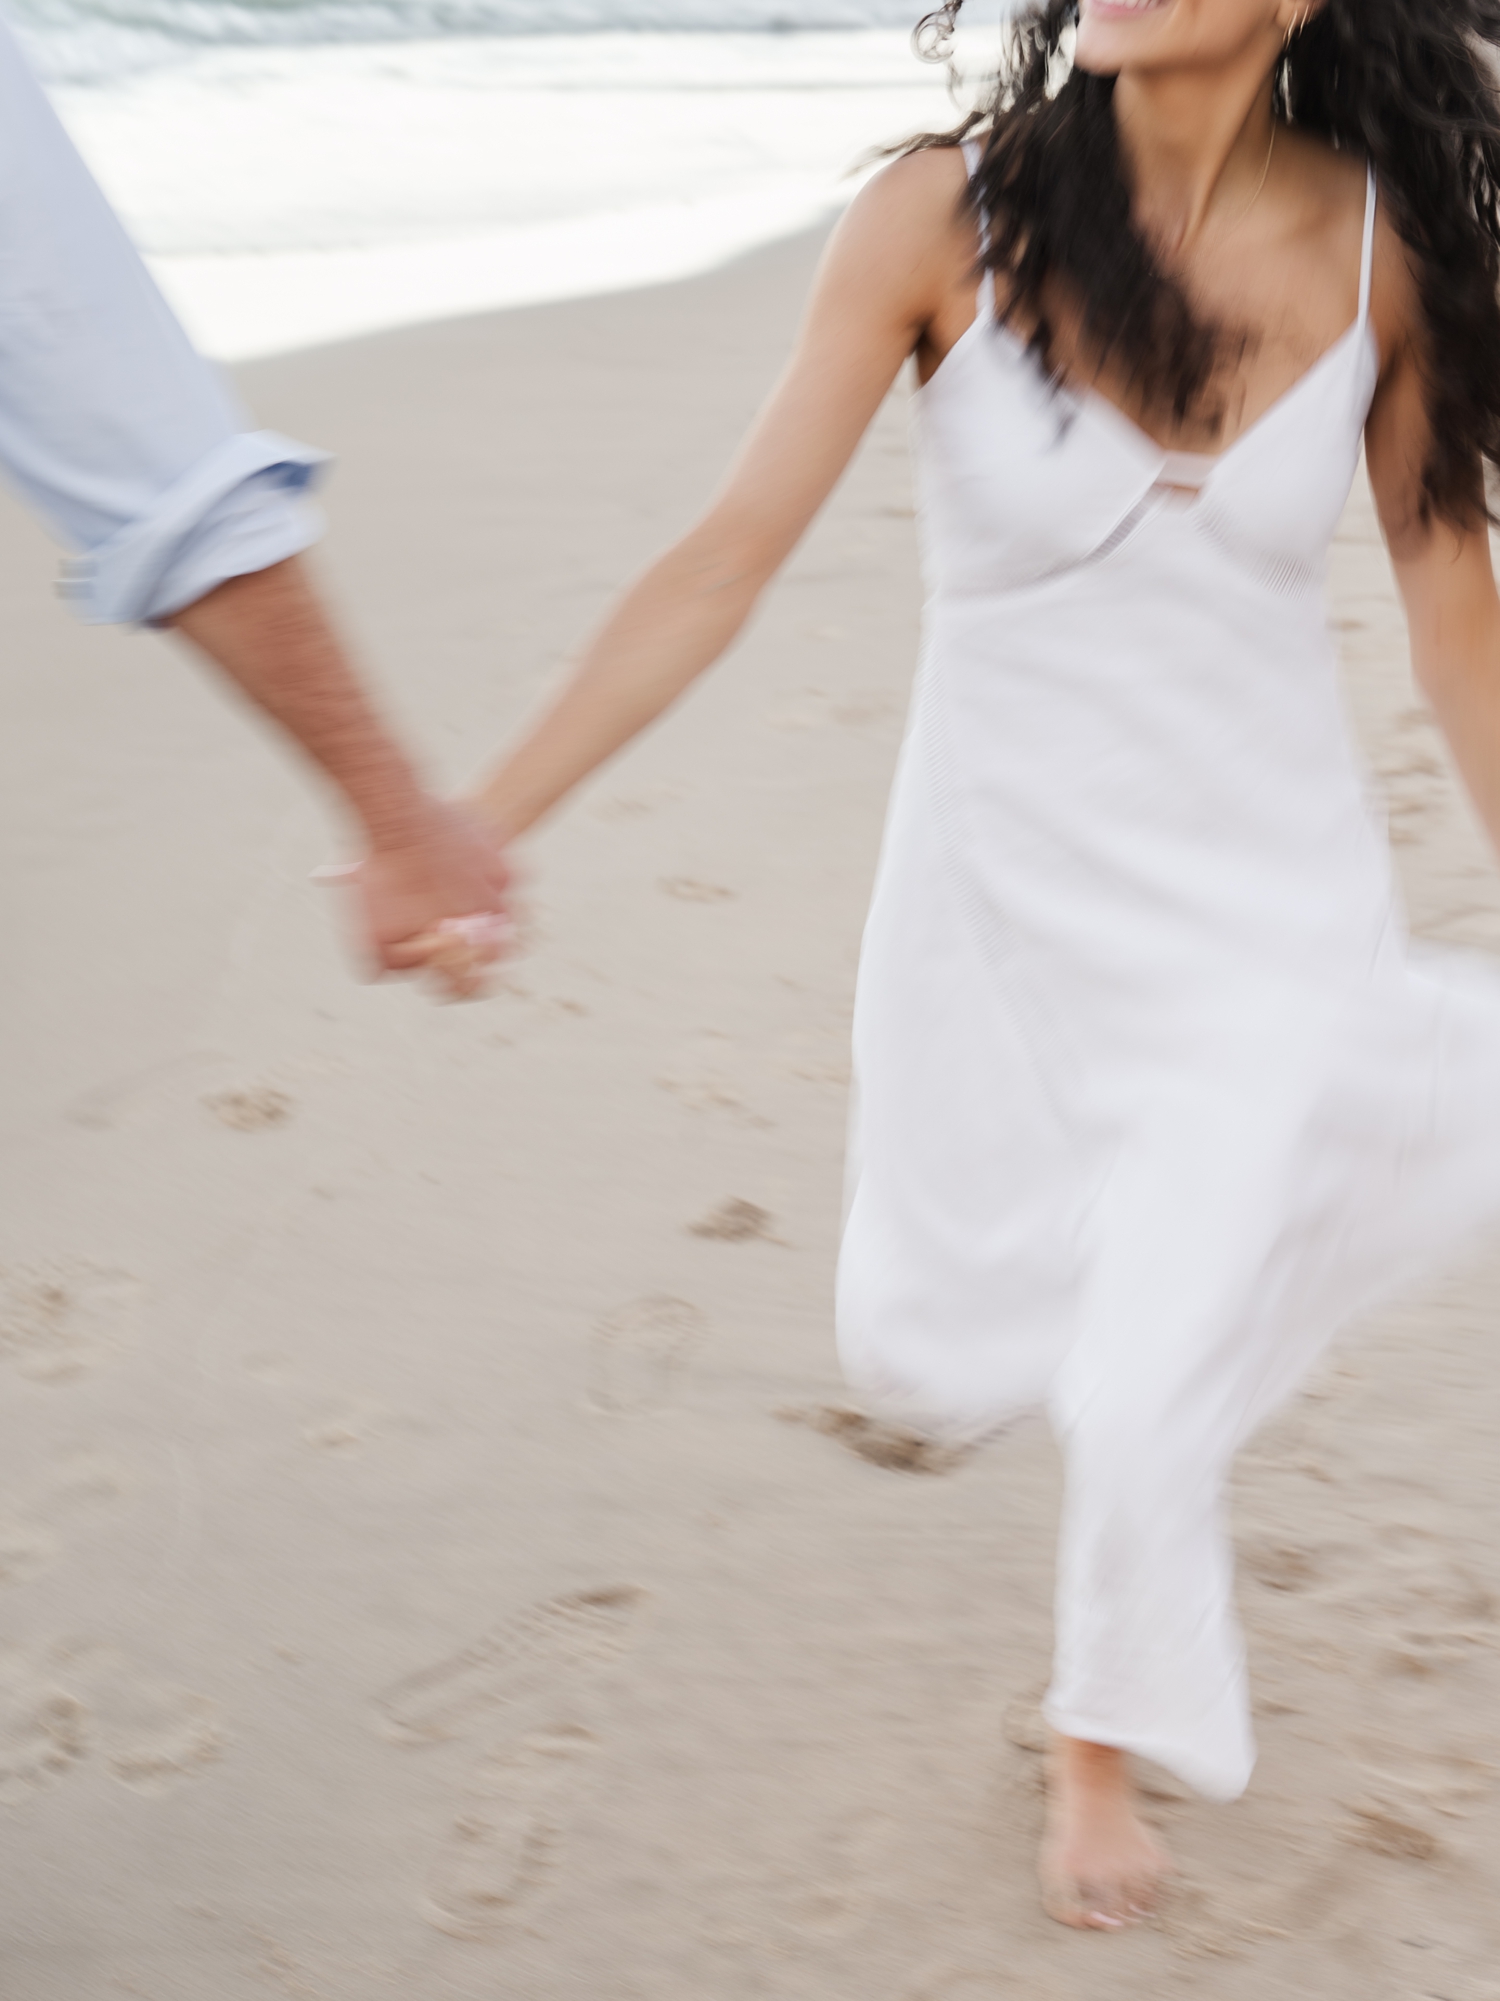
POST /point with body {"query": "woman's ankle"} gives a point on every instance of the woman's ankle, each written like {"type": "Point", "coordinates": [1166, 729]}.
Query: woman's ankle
{"type": "Point", "coordinates": [1080, 1762]}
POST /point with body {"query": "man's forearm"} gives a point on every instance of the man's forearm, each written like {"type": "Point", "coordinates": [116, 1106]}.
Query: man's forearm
{"type": "Point", "coordinates": [268, 632]}
{"type": "Point", "coordinates": [428, 863]}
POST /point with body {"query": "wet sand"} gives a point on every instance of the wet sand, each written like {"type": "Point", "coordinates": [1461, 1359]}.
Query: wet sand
{"type": "Point", "coordinates": [432, 1560]}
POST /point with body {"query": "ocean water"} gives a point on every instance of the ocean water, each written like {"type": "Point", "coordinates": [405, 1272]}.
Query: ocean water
{"type": "Point", "coordinates": [300, 171]}
{"type": "Point", "coordinates": [96, 40]}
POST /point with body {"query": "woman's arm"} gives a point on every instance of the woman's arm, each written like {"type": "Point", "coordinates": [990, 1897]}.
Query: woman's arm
{"type": "Point", "coordinates": [1453, 613]}
{"type": "Point", "coordinates": [1444, 573]}
{"type": "Point", "coordinates": [891, 261]}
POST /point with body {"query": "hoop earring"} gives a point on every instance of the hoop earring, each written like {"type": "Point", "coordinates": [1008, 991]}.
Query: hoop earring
{"type": "Point", "coordinates": [1296, 28]}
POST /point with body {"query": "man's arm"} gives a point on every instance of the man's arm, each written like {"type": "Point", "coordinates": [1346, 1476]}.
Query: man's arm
{"type": "Point", "coordinates": [128, 444]}
{"type": "Point", "coordinates": [270, 635]}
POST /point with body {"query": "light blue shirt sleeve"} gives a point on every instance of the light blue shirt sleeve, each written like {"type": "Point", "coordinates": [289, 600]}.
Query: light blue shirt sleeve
{"type": "Point", "coordinates": [119, 435]}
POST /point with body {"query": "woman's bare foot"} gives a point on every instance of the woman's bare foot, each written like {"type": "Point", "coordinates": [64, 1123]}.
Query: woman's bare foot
{"type": "Point", "coordinates": [1100, 1867]}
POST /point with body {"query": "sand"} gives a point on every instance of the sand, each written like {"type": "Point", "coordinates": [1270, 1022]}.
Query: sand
{"type": "Point", "coordinates": [432, 1560]}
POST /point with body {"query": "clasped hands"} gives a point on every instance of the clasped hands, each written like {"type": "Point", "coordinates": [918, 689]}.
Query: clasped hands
{"type": "Point", "coordinates": [434, 900]}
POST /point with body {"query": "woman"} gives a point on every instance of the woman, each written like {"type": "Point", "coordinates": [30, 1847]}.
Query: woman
{"type": "Point", "coordinates": [1153, 1093]}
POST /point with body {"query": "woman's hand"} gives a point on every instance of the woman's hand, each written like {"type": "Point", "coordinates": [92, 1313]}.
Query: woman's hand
{"type": "Point", "coordinates": [435, 900]}
{"type": "Point", "coordinates": [458, 955]}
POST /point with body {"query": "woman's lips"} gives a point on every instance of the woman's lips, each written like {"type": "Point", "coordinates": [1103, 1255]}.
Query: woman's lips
{"type": "Point", "coordinates": [1123, 10]}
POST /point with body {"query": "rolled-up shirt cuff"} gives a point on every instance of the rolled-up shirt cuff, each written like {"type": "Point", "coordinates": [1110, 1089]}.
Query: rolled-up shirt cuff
{"type": "Point", "coordinates": [240, 509]}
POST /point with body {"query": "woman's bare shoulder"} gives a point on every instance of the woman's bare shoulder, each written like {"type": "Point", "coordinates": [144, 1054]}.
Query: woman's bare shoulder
{"type": "Point", "coordinates": [917, 199]}
{"type": "Point", "coordinates": [909, 234]}
{"type": "Point", "coordinates": [930, 174]}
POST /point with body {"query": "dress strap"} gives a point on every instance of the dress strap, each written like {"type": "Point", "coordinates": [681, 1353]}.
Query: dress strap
{"type": "Point", "coordinates": [1367, 254]}
{"type": "Point", "coordinates": [973, 154]}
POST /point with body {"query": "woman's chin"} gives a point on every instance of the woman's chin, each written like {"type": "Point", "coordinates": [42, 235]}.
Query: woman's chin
{"type": "Point", "coordinates": [1112, 37]}
{"type": "Point", "coordinates": [1101, 55]}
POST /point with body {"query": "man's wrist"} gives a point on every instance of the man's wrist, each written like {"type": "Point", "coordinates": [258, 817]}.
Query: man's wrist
{"type": "Point", "coordinates": [393, 809]}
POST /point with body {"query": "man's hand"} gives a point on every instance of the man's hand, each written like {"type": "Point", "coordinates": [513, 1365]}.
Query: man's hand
{"type": "Point", "coordinates": [417, 894]}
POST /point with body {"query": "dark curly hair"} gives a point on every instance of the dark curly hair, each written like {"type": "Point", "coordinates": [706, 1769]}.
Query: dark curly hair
{"type": "Point", "coordinates": [1411, 84]}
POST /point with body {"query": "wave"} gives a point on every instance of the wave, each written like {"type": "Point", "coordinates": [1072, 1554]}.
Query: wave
{"type": "Point", "coordinates": [95, 41]}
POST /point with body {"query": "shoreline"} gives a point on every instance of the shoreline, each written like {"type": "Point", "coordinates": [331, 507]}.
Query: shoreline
{"type": "Point", "coordinates": [243, 309]}
{"type": "Point", "coordinates": [345, 187]}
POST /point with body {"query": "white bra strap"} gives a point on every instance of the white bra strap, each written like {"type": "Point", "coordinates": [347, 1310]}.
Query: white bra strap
{"type": "Point", "coordinates": [1367, 254]}
{"type": "Point", "coordinates": [973, 154]}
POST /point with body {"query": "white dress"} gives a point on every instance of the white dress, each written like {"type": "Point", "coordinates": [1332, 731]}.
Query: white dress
{"type": "Point", "coordinates": [1152, 1090]}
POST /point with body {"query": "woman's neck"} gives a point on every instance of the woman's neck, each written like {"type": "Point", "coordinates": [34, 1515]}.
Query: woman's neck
{"type": "Point", "coordinates": [1197, 146]}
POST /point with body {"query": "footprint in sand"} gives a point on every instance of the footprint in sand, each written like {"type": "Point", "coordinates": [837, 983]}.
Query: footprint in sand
{"type": "Point", "coordinates": [1390, 1827]}
{"type": "Point", "coordinates": [507, 1839]}
{"type": "Point", "coordinates": [149, 1734]}
{"type": "Point", "coordinates": [62, 1317]}
{"type": "Point", "coordinates": [251, 1108]}
{"type": "Point", "coordinates": [153, 1736]}
{"type": "Point", "coordinates": [44, 1730]}
{"type": "Point", "coordinates": [736, 1221]}
{"type": "Point", "coordinates": [889, 1446]}
{"type": "Point", "coordinates": [638, 1354]}
{"type": "Point", "coordinates": [526, 1656]}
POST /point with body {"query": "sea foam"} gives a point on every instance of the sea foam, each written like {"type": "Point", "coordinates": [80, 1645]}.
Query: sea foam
{"type": "Point", "coordinates": [298, 191]}
{"type": "Point", "coordinates": [99, 40]}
